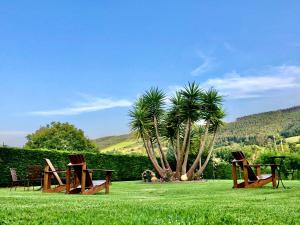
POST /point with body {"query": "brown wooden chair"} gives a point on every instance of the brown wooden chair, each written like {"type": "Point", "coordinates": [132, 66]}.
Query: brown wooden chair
{"type": "Point", "coordinates": [34, 176]}
{"type": "Point", "coordinates": [251, 179]}
{"type": "Point", "coordinates": [83, 182]}
{"type": "Point", "coordinates": [15, 181]}
{"type": "Point", "coordinates": [49, 173]}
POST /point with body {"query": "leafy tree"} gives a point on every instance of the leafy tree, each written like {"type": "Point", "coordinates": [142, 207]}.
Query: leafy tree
{"type": "Point", "coordinates": [153, 122]}
{"type": "Point", "coordinates": [62, 136]}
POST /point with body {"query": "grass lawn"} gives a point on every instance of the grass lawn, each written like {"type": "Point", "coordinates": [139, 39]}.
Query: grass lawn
{"type": "Point", "coordinates": [211, 202]}
{"type": "Point", "coordinates": [294, 139]}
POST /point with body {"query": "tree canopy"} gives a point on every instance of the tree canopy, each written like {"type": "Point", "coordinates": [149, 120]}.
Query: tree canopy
{"type": "Point", "coordinates": [62, 136]}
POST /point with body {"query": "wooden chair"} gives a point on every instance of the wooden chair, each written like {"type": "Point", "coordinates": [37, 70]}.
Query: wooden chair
{"type": "Point", "coordinates": [15, 181]}
{"type": "Point", "coordinates": [49, 172]}
{"type": "Point", "coordinates": [251, 180]}
{"type": "Point", "coordinates": [34, 176]}
{"type": "Point", "coordinates": [83, 182]}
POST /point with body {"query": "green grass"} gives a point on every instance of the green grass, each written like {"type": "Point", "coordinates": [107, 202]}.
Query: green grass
{"type": "Point", "coordinates": [294, 139]}
{"type": "Point", "coordinates": [212, 202]}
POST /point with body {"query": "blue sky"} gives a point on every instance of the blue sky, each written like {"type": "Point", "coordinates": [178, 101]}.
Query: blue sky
{"type": "Point", "coordinates": [85, 62]}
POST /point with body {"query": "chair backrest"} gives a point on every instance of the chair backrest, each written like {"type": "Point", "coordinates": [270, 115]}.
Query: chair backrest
{"type": "Point", "coordinates": [49, 163]}
{"type": "Point", "coordinates": [240, 156]}
{"type": "Point", "coordinates": [13, 174]}
{"type": "Point", "coordinates": [34, 172]}
{"type": "Point", "coordinates": [77, 161]}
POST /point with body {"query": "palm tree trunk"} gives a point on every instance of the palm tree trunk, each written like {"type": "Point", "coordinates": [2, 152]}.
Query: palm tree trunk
{"type": "Point", "coordinates": [153, 159]}
{"type": "Point", "coordinates": [160, 156]}
{"type": "Point", "coordinates": [201, 149]}
{"type": "Point", "coordinates": [182, 150]}
{"type": "Point", "coordinates": [177, 173]}
{"type": "Point", "coordinates": [174, 149]}
{"type": "Point", "coordinates": [159, 144]}
{"type": "Point", "coordinates": [186, 156]}
{"type": "Point", "coordinates": [211, 148]}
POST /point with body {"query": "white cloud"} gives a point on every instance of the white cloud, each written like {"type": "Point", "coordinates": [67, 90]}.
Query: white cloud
{"type": "Point", "coordinates": [208, 63]}
{"type": "Point", "coordinates": [245, 85]}
{"type": "Point", "coordinates": [91, 104]}
{"type": "Point", "coordinates": [229, 47]}
{"type": "Point", "coordinates": [172, 89]}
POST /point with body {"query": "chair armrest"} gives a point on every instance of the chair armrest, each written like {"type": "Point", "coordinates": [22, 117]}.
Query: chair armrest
{"type": "Point", "coordinates": [237, 160]}
{"type": "Point", "coordinates": [272, 165]}
{"type": "Point", "coordinates": [57, 171]}
{"type": "Point", "coordinates": [91, 170]}
{"type": "Point", "coordinates": [255, 165]}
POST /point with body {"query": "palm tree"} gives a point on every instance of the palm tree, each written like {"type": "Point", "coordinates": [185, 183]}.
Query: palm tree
{"type": "Point", "coordinates": [177, 125]}
{"type": "Point", "coordinates": [141, 126]}
{"type": "Point", "coordinates": [155, 100]}
{"type": "Point", "coordinates": [211, 103]}
{"type": "Point", "coordinates": [189, 113]}
{"type": "Point", "coordinates": [216, 123]}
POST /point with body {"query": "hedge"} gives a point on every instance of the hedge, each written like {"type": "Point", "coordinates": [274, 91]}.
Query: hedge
{"type": "Point", "coordinates": [125, 167]}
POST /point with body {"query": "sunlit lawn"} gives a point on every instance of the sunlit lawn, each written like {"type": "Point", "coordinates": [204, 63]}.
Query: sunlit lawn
{"type": "Point", "coordinates": [211, 202]}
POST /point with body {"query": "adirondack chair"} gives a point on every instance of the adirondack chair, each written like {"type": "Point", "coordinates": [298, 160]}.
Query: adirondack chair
{"type": "Point", "coordinates": [49, 172]}
{"type": "Point", "coordinates": [251, 179]}
{"type": "Point", "coordinates": [83, 177]}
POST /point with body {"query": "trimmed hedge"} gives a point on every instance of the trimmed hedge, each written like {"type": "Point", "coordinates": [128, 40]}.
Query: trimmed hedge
{"type": "Point", "coordinates": [125, 167]}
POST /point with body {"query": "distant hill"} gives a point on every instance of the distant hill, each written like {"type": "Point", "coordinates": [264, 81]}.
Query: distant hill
{"type": "Point", "coordinates": [122, 144]}
{"type": "Point", "coordinates": [257, 128]}
{"type": "Point", "coordinates": [105, 142]}
{"type": "Point", "coordinates": [252, 129]}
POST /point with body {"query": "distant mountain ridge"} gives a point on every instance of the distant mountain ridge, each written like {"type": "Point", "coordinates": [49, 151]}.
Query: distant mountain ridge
{"type": "Point", "coordinates": [257, 127]}
{"type": "Point", "coordinates": [250, 129]}
{"type": "Point", "coordinates": [107, 141]}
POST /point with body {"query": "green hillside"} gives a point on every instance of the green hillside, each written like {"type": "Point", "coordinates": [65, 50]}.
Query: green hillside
{"type": "Point", "coordinates": [105, 142]}
{"type": "Point", "coordinates": [122, 144]}
{"type": "Point", "coordinates": [252, 129]}
{"type": "Point", "coordinates": [255, 129]}
{"type": "Point", "coordinates": [295, 139]}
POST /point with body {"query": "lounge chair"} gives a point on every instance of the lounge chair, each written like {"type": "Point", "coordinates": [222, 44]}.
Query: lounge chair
{"type": "Point", "coordinates": [83, 177]}
{"type": "Point", "coordinates": [49, 172]}
{"type": "Point", "coordinates": [251, 179]}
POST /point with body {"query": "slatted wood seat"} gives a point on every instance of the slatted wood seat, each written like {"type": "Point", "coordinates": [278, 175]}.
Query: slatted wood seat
{"type": "Point", "coordinates": [83, 177]}
{"type": "Point", "coordinates": [251, 179]}
{"type": "Point", "coordinates": [49, 172]}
